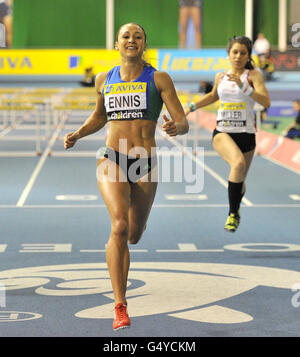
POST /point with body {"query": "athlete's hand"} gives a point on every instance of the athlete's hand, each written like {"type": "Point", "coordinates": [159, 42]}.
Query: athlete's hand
{"type": "Point", "coordinates": [70, 140]}
{"type": "Point", "coordinates": [169, 126]}
{"type": "Point", "coordinates": [187, 111]}
{"type": "Point", "coordinates": [235, 78]}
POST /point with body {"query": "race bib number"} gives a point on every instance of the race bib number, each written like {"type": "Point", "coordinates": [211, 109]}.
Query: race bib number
{"type": "Point", "coordinates": [126, 100]}
{"type": "Point", "coordinates": [232, 115]}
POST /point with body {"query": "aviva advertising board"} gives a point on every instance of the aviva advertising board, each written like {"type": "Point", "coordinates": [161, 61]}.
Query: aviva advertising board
{"type": "Point", "coordinates": [61, 62]}
{"type": "Point", "coordinates": [178, 63]}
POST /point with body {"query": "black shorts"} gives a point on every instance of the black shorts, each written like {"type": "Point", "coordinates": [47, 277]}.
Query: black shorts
{"type": "Point", "coordinates": [133, 168]}
{"type": "Point", "coordinates": [245, 141]}
{"type": "Point", "coordinates": [190, 3]}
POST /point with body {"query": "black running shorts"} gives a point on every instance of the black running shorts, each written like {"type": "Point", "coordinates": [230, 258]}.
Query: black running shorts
{"type": "Point", "coordinates": [133, 168]}
{"type": "Point", "coordinates": [245, 141]}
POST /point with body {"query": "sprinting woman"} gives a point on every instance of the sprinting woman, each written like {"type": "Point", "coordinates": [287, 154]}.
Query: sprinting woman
{"type": "Point", "coordinates": [234, 135]}
{"type": "Point", "coordinates": [130, 98]}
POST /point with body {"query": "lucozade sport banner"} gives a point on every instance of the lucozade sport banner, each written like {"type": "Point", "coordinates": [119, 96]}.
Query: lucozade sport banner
{"type": "Point", "coordinates": [188, 63]}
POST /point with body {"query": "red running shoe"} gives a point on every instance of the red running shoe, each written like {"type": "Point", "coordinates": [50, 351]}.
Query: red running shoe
{"type": "Point", "coordinates": [122, 319]}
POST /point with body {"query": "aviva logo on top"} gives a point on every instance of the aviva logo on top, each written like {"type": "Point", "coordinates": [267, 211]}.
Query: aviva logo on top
{"type": "Point", "coordinates": [137, 87]}
{"type": "Point", "coordinates": [13, 62]}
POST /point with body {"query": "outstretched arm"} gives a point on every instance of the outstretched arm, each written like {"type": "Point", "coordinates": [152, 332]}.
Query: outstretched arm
{"type": "Point", "coordinates": [95, 121]}
{"type": "Point", "coordinates": [178, 125]}
{"type": "Point", "coordinates": [207, 99]}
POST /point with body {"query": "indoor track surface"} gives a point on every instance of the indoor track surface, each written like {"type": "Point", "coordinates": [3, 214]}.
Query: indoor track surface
{"type": "Point", "coordinates": [188, 277]}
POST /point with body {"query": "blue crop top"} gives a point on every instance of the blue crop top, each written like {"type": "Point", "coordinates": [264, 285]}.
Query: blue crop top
{"type": "Point", "coordinates": [138, 99]}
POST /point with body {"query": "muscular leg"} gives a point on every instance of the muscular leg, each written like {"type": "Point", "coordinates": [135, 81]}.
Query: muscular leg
{"type": "Point", "coordinates": [129, 206]}
{"type": "Point", "coordinates": [142, 197]}
{"type": "Point", "coordinates": [230, 152]}
{"type": "Point", "coordinates": [116, 196]}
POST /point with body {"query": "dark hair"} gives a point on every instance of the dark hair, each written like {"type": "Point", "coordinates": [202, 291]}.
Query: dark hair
{"type": "Point", "coordinates": [144, 32]}
{"type": "Point", "coordinates": [243, 40]}
{"type": "Point", "coordinates": [132, 23]}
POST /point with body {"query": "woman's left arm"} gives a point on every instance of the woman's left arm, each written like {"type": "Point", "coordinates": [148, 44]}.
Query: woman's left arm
{"type": "Point", "coordinates": [260, 93]}
{"type": "Point", "coordinates": [178, 125]}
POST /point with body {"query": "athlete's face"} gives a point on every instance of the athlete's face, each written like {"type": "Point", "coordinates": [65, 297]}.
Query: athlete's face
{"type": "Point", "coordinates": [296, 106]}
{"type": "Point", "coordinates": [131, 41]}
{"type": "Point", "coordinates": [238, 55]}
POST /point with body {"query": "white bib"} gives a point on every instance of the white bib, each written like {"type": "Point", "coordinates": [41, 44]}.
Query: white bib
{"type": "Point", "coordinates": [235, 113]}
{"type": "Point", "coordinates": [126, 100]}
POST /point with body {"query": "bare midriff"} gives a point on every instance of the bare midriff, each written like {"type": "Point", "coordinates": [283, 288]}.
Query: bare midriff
{"type": "Point", "coordinates": [136, 136]}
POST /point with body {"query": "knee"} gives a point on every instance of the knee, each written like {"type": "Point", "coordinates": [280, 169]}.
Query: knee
{"type": "Point", "coordinates": [120, 228]}
{"type": "Point", "coordinates": [239, 165]}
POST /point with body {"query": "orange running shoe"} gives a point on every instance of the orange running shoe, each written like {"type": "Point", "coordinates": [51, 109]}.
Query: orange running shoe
{"type": "Point", "coordinates": [122, 319]}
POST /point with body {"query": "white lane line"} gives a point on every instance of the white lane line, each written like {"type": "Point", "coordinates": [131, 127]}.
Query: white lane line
{"type": "Point", "coordinates": [187, 247]}
{"type": "Point", "coordinates": [46, 248]}
{"type": "Point", "coordinates": [38, 168]}
{"type": "Point", "coordinates": [210, 153]}
{"type": "Point", "coordinates": [186, 197]}
{"type": "Point", "coordinates": [73, 154]}
{"type": "Point", "coordinates": [76, 198]}
{"type": "Point", "coordinates": [277, 205]}
{"type": "Point", "coordinates": [295, 197]}
{"type": "Point", "coordinates": [204, 166]}
{"type": "Point", "coordinates": [3, 248]}
{"type": "Point", "coordinates": [5, 132]}
{"type": "Point", "coordinates": [21, 138]}
{"type": "Point", "coordinates": [18, 153]}
{"type": "Point", "coordinates": [9, 129]}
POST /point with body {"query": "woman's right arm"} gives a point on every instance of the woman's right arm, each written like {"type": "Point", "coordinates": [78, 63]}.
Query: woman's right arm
{"type": "Point", "coordinates": [95, 121]}
{"type": "Point", "coordinates": [207, 99]}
